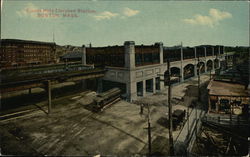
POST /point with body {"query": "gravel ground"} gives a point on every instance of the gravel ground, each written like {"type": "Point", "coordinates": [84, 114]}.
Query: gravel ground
{"type": "Point", "coordinates": [73, 130]}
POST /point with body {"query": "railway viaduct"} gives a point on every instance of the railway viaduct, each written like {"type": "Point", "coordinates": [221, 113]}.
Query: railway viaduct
{"type": "Point", "coordinates": [136, 69]}
{"type": "Point", "coordinates": [140, 77]}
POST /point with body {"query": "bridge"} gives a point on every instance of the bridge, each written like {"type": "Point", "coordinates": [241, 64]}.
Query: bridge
{"type": "Point", "coordinates": [26, 78]}
{"type": "Point", "coordinates": [17, 79]}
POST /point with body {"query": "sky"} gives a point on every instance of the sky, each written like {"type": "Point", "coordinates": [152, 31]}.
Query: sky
{"type": "Point", "coordinates": [103, 23]}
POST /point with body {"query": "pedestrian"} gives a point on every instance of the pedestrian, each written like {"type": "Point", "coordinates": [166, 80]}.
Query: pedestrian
{"type": "Point", "coordinates": [141, 112]}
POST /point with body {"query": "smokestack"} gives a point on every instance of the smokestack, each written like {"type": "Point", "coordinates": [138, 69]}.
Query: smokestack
{"type": "Point", "coordinates": [83, 49]}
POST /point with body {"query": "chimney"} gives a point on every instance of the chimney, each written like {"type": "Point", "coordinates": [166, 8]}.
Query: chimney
{"type": "Point", "coordinates": [83, 50]}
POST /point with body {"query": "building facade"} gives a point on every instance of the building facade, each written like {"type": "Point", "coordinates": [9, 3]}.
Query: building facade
{"type": "Point", "coordinates": [139, 69]}
{"type": "Point", "coordinates": [227, 97]}
{"type": "Point", "coordinates": [15, 53]}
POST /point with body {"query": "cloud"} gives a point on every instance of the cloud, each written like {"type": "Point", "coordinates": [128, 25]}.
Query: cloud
{"type": "Point", "coordinates": [130, 12]}
{"type": "Point", "coordinates": [212, 19]}
{"type": "Point", "coordinates": [29, 11]}
{"type": "Point", "coordinates": [219, 15]}
{"type": "Point", "coordinates": [105, 15]}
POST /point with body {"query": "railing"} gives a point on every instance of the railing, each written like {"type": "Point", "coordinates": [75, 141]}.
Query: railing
{"type": "Point", "coordinates": [44, 70]}
{"type": "Point", "coordinates": [226, 121]}
{"type": "Point", "coordinates": [187, 135]}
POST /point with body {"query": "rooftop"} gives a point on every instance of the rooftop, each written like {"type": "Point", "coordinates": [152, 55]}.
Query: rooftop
{"type": "Point", "coordinates": [226, 89]}
{"type": "Point", "coordinates": [25, 41]}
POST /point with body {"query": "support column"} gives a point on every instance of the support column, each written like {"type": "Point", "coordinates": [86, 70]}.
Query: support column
{"type": "Point", "coordinates": [129, 54]}
{"type": "Point", "coordinates": [195, 53]}
{"type": "Point", "coordinates": [181, 74]}
{"type": "Point", "coordinates": [160, 44]}
{"type": "Point", "coordinates": [195, 62]}
{"type": "Point", "coordinates": [30, 90]}
{"type": "Point", "coordinates": [212, 65]}
{"type": "Point", "coordinates": [219, 58]}
{"type": "Point", "coordinates": [144, 88]}
{"type": "Point", "coordinates": [49, 95]}
{"type": "Point", "coordinates": [162, 83]}
{"type": "Point", "coordinates": [212, 51]}
{"type": "Point", "coordinates": [195, 70]}
{"type": "Point", "coordinates": [154, 86]}
{"type": "Point", "coordinates": [83, 55]}
{"type": "Point", "coordinates": [131, 91]}
{"type": "Point", "coordinates": [205, 64]}
{"type": "Point", "coordinates": [129, 48]}
{"type": "Point", "coordinates": [181, 69]}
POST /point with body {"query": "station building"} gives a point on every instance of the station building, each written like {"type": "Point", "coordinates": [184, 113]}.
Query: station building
{"type": "Point", "coordinates": [139, 70]}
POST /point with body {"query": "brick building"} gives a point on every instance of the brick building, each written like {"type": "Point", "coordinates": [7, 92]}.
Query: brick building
{"type": "Point", "coordinates": [14, 52]}
{"type": "Point", "coordinates": [105, 56]}
{"type": "Point", "coordinates": [138, 69]}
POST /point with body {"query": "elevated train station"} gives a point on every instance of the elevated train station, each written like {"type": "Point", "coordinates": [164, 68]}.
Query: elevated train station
{"type": "Point", "coordinates": [146, 65]}
{"type": "Point", "coordinates": [138, 70]}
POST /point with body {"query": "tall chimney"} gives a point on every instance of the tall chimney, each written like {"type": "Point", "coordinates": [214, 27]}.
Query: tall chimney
{"type": "Point", "coordinates": [83, 50]}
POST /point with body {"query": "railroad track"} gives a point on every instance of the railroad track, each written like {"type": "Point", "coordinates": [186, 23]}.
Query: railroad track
{"type": "Point", "coordinates": [17, 115]}
{"type": "Point", "coordinates": [29, 112]}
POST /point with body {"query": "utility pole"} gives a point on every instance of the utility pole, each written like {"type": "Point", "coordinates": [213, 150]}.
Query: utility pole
{"type": "Point", "coordinates": [48, 84]}
{"type": "Point", "coordinates": [199, 78]}
{"type": "Point", "coordinates": [199, 95]}
{"type": "Point", "coordinates": [188, 121]}
{"type": "Point", "coordinates": [196, 119]}
{"type": "Point", "coordinates": [171, 141]}
{"type": "Point", "coordinates": [149, 132]}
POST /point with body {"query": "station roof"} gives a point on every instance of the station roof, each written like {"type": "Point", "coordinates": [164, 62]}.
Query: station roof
{"type": "Point", "coordinates": [221, 88]}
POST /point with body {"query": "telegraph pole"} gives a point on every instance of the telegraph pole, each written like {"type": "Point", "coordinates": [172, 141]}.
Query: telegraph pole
{"type": "Point", "coordinates": [48, 89]}
{"type": "Point", "coordinates": [149, 132]}
{"type": "Point", "coordinates": [199, 96]}
{"type": "Point", "coordinates": [199, 79]}
{"type": "Point", "coordinates": [188, 121]}
{"type": "Point", "coordinates": [171, 141]}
